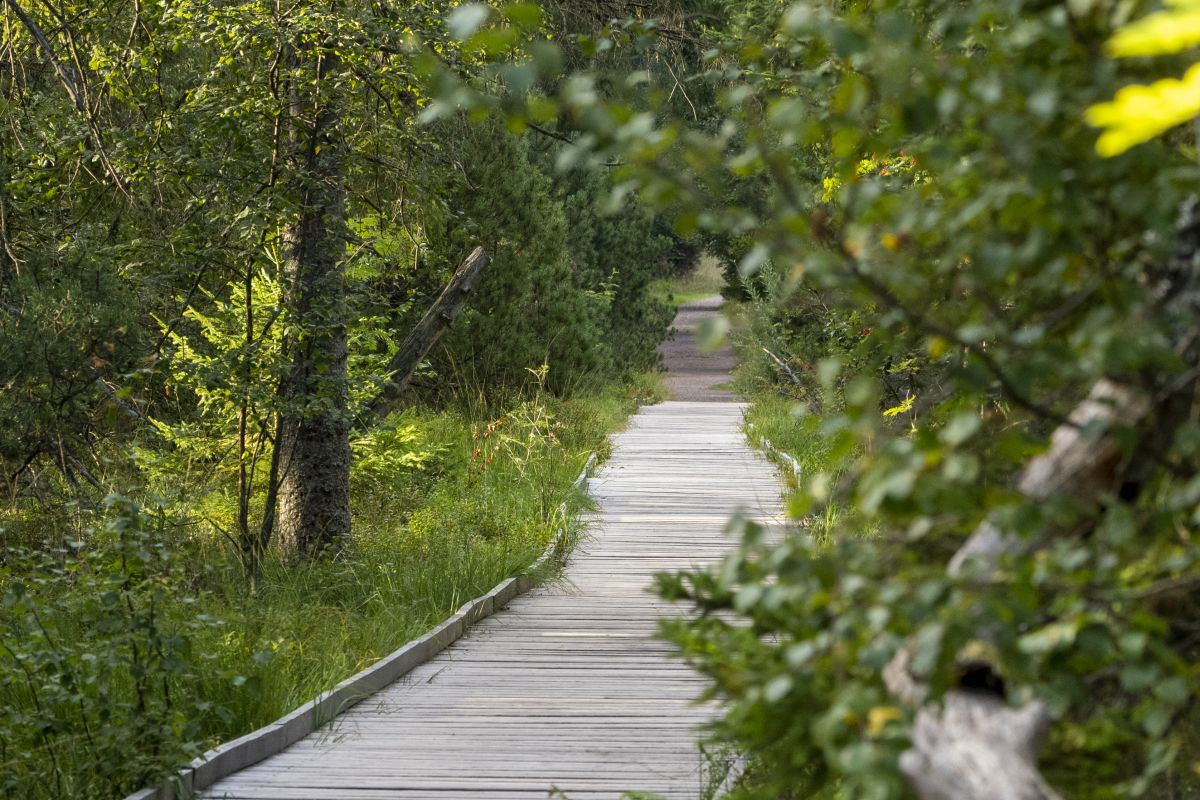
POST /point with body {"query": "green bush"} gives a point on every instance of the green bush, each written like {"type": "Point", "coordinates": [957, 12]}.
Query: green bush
{"type": "Point", "coordinates": [615, 256]}
{"type": "Point", "coordinates": [935, 328]}
{"type": "Point", "coordinates": [100, 663]}
{"type": "Point", "coordinates": [529, 308]}
{"type": "Point", "coordinates": [913, 191]}
{"type": "Point", "coordinates": [566, 284]}
{"type": "Point", "coordinates": [139, 642]}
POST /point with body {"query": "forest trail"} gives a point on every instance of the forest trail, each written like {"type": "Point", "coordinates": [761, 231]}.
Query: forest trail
{"type": "Point", "coordinates": [691, 373]}
{"type": "Point", "coordinates": [566, 693]}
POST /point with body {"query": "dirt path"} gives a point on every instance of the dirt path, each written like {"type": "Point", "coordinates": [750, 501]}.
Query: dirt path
{"type": "Point", "coordinates": [692, 374]}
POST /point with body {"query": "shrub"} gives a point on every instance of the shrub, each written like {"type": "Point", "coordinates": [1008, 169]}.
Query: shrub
{"type": "Point", "coordinates": [98, 667]}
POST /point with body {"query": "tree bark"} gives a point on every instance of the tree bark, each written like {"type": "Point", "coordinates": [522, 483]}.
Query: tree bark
{"type": "Point", "coordinates": [314, 441]}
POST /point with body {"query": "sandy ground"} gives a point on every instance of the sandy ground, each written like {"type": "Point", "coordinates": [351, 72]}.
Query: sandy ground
{"type": "Point", "coordinates": [692, 374]}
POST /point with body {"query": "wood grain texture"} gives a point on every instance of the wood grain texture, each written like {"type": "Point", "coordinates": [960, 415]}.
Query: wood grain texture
{"type": "Point", "coordinates": [567, 690]}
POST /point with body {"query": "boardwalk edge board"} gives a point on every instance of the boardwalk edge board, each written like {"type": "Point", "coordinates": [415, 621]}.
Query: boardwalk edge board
{"type": "Point", "coordinates": [230, 757]}
{"type": "Point", "coordinates": [766, 445]}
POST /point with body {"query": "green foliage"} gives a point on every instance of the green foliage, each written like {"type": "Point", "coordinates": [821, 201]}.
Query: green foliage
{"type": "Point", "coordinates": [929, 273]}
{"type": "Point", "coordinates": [801, 680]}
{"type": "Point", "coordinates": [130, 230]}
{"type": "Point", "coordinates": [100, 681]}
{"type": "Point", "coordinates": [388, 456]}
{"type": "Point", "coordinates": [215, 366]}
{"type": "Point", "coordinates": [615, 254]}
{"type": "Point", "coordinates": [910, 195]}
{"type": "Point", "coordinates": [63, 325]}
{"type": "Point", "coordinates": [446, 533]}
{"type": "Point", "coordinates": [528, 310]}
{"type": "Point", "coordinates": [566, 285]}
{"type": "Point", "coordinates": [133, 645]}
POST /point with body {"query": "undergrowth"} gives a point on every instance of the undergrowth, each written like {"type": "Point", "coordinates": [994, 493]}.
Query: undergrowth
{"type": "Point", "coordinates": [786, 413]}
{"type": "Point", "coordinates": [140, 642]}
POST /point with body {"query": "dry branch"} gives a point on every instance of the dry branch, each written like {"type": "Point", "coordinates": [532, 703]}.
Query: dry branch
{"type": "Point", "coordinates": [426, 333]}
{"type": "Point", "coordinates": [68, 79]}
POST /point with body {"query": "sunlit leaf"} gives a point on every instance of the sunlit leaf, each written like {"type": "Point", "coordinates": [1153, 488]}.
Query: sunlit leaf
{"type": "Point", "coordinates": [1139, 113]}
{"type": "Point", "coordinates": [1170, 31]}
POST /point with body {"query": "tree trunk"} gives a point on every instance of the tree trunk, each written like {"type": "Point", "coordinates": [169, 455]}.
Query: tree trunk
{"type": "Point", "coordinates": [314, 441]}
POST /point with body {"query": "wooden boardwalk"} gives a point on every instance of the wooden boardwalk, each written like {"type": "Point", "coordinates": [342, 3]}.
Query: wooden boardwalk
{"type": "Point", "coordinates": [566, 693]}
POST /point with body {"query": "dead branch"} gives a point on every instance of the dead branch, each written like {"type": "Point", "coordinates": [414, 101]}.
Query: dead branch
{"type": "Point", "coordinates": [65, 75]}
{"type": "Point", "coordinates": [426, 333]}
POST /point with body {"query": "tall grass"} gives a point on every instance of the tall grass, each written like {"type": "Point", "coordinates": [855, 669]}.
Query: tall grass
{"type": "Point", "coordinates": [705, 280]}
{"type": "Point", "coordinates": [783, 414]}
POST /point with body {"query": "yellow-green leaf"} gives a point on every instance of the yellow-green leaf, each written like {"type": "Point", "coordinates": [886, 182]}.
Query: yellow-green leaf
{"type": "Point", "coordinates": [1139, 113]}
{"type": "Point", "coordinates": [1171, 31]}
{"type": "Point", "coordinates": [879, 717]}
{"type": "Point", "coordinates": [904, 406]}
